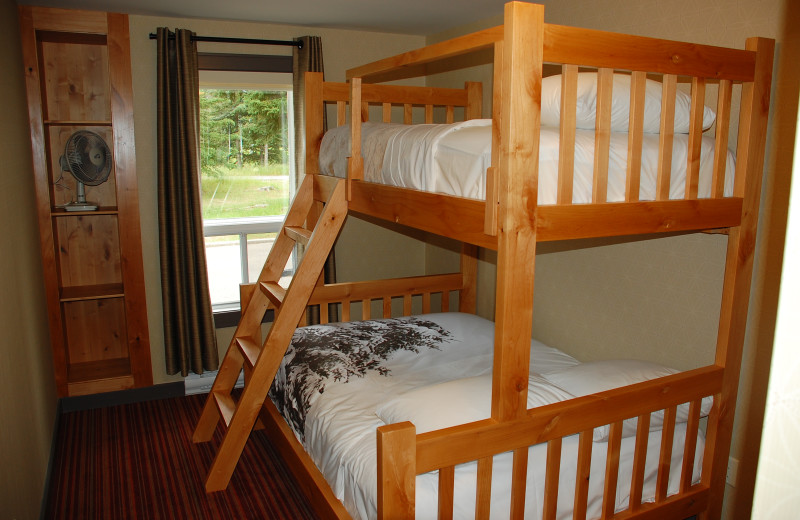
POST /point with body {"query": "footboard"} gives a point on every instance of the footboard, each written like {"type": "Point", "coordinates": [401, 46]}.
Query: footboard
{"type": "Point", "coordinates": [402, 454]}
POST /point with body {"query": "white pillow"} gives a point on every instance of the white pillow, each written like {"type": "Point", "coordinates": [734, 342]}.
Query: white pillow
{"type": "Point", "coordinates": [599, 376]}
{"type": "Point", "coordinates": [460, 401]}
{"type": "Point", "coordinates": [586, 111]}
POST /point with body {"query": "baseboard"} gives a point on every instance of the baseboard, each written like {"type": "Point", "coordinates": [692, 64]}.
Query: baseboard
{"type": "Point", "coordinates": [201, 383]}
{"type": "Point", "coordinates": [133, 395]}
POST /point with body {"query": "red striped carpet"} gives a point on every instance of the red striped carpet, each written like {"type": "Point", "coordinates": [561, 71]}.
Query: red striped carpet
{"type": "Point", "coordinates": [138, 461]}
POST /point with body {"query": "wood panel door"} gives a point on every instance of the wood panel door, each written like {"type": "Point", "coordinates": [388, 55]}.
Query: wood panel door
{"type": "Point", "coordinates": [77, 70]}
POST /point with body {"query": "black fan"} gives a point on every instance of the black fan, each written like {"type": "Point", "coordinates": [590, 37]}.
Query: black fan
{"type": "Point", "coordinates": [88, 158]}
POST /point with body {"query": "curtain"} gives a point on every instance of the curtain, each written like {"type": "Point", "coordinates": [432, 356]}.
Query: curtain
{"type": "Point", "coordinates": [189, 337]}
{"type": "Point", "coordinates": [308, 59]}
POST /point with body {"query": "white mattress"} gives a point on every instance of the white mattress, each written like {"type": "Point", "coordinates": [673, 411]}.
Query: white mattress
{"type": "Point", "coordinates": [341, 419]}
{"type": "Point", "coordinates": [452, 159]}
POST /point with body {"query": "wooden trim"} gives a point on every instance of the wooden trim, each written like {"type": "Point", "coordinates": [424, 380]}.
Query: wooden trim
{"type": "Point", "coordinates": [396, 477]}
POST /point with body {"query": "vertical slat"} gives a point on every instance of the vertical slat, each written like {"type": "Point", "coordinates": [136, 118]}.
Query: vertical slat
{"type": "Point", "coordinates": [635, 132]}
{"type": "Point", "coordinates": [303, 319]}
{"type": "Point", "coordinates": [551, 479]}
{"type": "Point", "coordinates": [387, 307]}
{"type": "Point", "coordinates": [474, 108]}
{"type": "Point", "coordinates": [426, 303]}
{"type": "Point", "coordinates": [364, 111]}
{"type": "Point", "coordinates": [689, 446]}
{"type": "Point", "coordinates": [407, 305]}
{"type": "Point", "coordinates": [396, 470]}
{"type": "Point", "coordinates": [346, 310]}
{"type": "Point", "coordinates": [447, 481]}
{"type": "Point", "coordinates": [519, 480]}
{"type": "Point", "coordinates": [566, 146]}
{"type": "Point", "coordinates": [582, 476]}
{"type": "Point", "coordinates": [664, 461]}
{"type": "Point", "coordinates": [387, 112]}
{"type": "Point", "coordinates": [407, 114]}
{"type": "Point", "coordinates": [355, 163]}
{"type": "Point", "coordinates": [612, 470]}
{"type": "Point", "coordinates": [721, 138]}
{"type": "Point", "coordinates": [449, 114]}
{"type": "Point", "coordinates": [428, 114]}
{"type": "Point", "coordinates": [341, 113]}
{"type": "Point", "coordinates": [483, 493]}
{"type": "Point", "coordinates": [602, 138]}
{"type": "Point", "coordinates": [445, 301]}
{"type": "Point", "coordinates": [669, 89]}
{"type": "Point", "coordinates": [492, 178]}
{"type": "Point", "coordinates": [639, 459]}
{"type": "Point", "coordinates": [323, 313]}
{"type": "Point", "coordinates": [314, 121]}
{"type": "Point", "coordinates": [467, 298]}
{"type": "Point", "coordinates": [695, 137]}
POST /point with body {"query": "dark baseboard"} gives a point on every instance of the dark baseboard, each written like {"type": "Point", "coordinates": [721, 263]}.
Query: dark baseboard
{"type": "Point", "coordinates": [134, 395]}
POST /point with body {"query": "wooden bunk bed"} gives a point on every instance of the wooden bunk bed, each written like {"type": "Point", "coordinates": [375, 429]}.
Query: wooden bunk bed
{"type": "Point", "coordinates": [510, 221]}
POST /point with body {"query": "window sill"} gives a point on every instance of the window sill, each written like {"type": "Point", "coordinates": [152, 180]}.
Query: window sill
{"type": "Point", "coordinates": [225, 318]}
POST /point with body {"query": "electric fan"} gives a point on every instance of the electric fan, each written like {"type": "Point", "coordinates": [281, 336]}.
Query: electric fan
{"type": "Point", "coordinates": [88, 158]}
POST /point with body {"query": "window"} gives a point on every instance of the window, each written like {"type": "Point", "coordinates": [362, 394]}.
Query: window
{"type": "Point", "coordinates": [247, 176]}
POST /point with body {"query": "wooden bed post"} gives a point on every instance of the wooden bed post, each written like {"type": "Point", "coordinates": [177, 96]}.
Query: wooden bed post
{"type": "Point", "coordinates": [738, 269]}
{"type": "Point", "coordinates": [397, 458]}
{"type": "Point", "coordinates": [517, 181]}
{"type": "Point", "coordinates": [467, 297]}
{"type": "Point", "coordinates": [314, 120]}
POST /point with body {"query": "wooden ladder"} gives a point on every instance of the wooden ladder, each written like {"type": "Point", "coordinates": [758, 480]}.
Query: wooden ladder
{"type": "Point", "coordinates": [246, 352]}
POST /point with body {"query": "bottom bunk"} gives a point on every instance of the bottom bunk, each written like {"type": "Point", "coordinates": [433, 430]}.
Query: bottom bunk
{"type": "Point", "coordinates": [340, 383]}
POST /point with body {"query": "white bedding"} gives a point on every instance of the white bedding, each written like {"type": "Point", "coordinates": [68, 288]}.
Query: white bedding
{"type": "Point", "coordinates": [452, 159]}
{"type": "Point", "coordinates": [357, 367]}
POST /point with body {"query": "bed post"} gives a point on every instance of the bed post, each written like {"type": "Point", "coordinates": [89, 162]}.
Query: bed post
{"type": "Point", "coordinates": [467, 296]}
{"type": "Point", "coordinates": [738, 269]}
{"type": "Point", "coordinates": [314, 118]}
{"type": "Point", "coordinates": [517, 181]}
{"type": "Point", "coordinates": [397, 459]}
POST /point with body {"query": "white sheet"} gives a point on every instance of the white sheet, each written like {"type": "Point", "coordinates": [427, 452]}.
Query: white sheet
{"type": "Point", "coordinates": [341, 422]}
{"type": "Point", "coordinates": [452, 159]}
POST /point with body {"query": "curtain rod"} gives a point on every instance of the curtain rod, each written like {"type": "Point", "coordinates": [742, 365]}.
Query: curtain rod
{"type": "Point", "coordinates": [218, 39]}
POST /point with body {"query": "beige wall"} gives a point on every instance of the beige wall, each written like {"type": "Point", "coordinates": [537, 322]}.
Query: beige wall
{"type": "Point", "coordinates": [364, 249]}
{"type": "Point", "coordinates": [28, 409]}
{"type": "Point", "coordinates": [659, 299]}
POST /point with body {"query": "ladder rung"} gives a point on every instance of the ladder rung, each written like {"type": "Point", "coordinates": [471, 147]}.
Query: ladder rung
{"type": "Point", "coordinates": [298, 234]}
{"type": "Point", "coordinates": [250, 350]}
{"type": "Point", "coordinates": [274, 292]}
{"type": "Point", "coordinates": [226, 406]}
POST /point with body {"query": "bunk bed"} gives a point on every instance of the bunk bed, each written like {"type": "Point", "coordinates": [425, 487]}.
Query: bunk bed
{"type": "Point", "coordinates": [635, 450]}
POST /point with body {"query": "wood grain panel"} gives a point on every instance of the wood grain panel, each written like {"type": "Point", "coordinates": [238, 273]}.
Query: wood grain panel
{"type": "Point", "coordinates": [88, 250]}
{"type": "Point", "coordinates": [95, 330]}
{"type": "Point", "coordinates": [75, 80]}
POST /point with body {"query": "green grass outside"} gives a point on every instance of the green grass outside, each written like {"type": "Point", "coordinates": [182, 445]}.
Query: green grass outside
{"type": "Point", "coordinates": [244, 192]}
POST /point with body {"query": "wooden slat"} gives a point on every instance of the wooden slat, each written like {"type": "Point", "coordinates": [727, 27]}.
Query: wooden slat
{"type": "Point", "coordinates": [446, 486]}
{"type": "Point", "coordinates": [665, 458]}
{"type": "Point", "coordinates": [446, 301]}
{"type": "Point", "coordinates": [457, 445]}
{"type": "Point", "coordinates": [449, 114]}
{"type": "Point", "coordinates": [225, 405]}
{"type": "Point", "coordinates": [323, 313]}
{"type": "Point", "coordinates": [594, 48]}
{"type": "Point", "coordinates": [519, 479]}
{"type": "Point", "coordinates": [396, 475]}
{"type": "Point", "coordinates": [355, 163]}
{"type": "Point", "coordinates": [666, 136]}
{"type": "Point", "coordinates": [341, 113]}
{"type": "Point", "coordinates": [721, 138]}
{"type": "Point", "coordinates": [617, 219]}
{"type": "Point", "coordinates": [386, 116]}
{"type": "Point", "coordinates": [367, 290]}
{"type": "Point", "coordinates": [468, 298]}
{"type": "Point", "coordinates": [695, 137]}
{"type": "Point", "coordinates": [426, 303]}
{"type": "Point", "coordinates": [566, 143]}
{"type": "Point", "coordinates": [483, 493]}
{"type": "Point", "coordinates": [249, 349]}
{"type": "Point", "coordinates": [300, 235]}
{"type": "Point", "coordinates": [689, 446]}
{"type": "Point", "coordinates": [676, 506]}
{"type": "Point", "coordinates": [602, 138]}
{"type": "Point", "coordinates": [582, 475]}
{"type": "Point", "coordinates": [314, 123]}
{"type": "Point", "coordinates": [387, 307]}
{"type": "Point", "coordinates": [428, 113]}
{"type": "Point", "coordinates": [492, 189]}
{"type": "Point", "coordinates": [552, 474]}
{"type": "Point", "coordinates": [612, 470]}
{"type": "Point", "coordinates": [346, 310]}
{"type": "Point", "coordinates": [639, 460]}
{"type": "Point", "coordinates": [635, 133]}
{"type": "Point", "coordinates": [274, 292]}
{"type": "Point", "coordinates": [406, 305]}
{"type": "Point", "coordinates": [414, 95]}
{"type": "Point", "coordinates": [407, 113]}
{"type": "Point", "coordinates": [69, 20]}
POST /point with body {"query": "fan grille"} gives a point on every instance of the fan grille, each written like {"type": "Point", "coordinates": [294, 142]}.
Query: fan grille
{"type": "Point", "coordinates": [88, 157]}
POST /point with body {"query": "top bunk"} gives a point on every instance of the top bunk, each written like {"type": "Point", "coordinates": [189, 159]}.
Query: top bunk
{"type": "Point", "coordinates": [576, 146]}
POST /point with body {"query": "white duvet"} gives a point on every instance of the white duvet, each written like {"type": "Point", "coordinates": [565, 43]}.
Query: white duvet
{"type": "Point", "coordinates": [440, 375]}
{"type": "Point", "coordinates": [453, 158]}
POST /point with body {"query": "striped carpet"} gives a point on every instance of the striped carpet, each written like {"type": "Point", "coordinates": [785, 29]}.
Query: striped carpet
{"type": "Point", "coordinates": [138, 461]}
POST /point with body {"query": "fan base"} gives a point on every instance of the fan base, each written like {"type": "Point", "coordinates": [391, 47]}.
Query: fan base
{"type": "Point", "coordinates": [79, 206]}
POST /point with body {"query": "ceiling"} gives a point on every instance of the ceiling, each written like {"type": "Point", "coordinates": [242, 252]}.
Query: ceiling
{"type": "Point", "coordinates": [421, 17]}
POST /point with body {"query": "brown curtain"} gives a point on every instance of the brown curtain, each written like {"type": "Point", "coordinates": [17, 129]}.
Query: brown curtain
{"type": "Point", "coordinates": [189, 337]}
{"type": "Point", "coordinates": [308, 58]}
